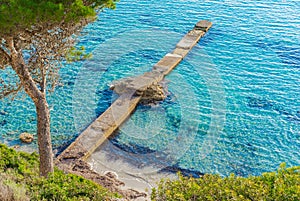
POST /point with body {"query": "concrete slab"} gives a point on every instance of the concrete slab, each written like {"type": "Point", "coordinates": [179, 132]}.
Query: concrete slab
{"type": "Point", "coordinates": [167, 63]}
{"type": "Point", "coordinates": [133, 85]}
{"type": "Point", "coordinates": [141, 83]}
{"type": "Point", "coordinates": [203, 25]}
{"type": "Point", "coordinates": [188, 41]}
{"type": "Point", "coordinates": [97, 132]}
{"type": "Point", "coordinates": [157, 76]}
{"type": "Point", "coordinates": [181, 52]}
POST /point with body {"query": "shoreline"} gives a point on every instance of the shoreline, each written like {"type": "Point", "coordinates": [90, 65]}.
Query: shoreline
{"type": "Point", "coordinates": [130, 181]}
{"type": "Point", "coordinates": [142, 178]}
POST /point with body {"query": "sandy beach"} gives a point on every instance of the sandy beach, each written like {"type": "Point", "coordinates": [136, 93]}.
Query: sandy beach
{"type": "Point", "coordinates": [134, 172]}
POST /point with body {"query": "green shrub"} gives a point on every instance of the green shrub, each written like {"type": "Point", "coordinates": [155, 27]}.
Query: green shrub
{"type": "Point", "coordinates": [20, 175]}
{"type": "Point", "coordinates": [23, 163]}
{"type": "Point", "coordinates": [62, 186]}
{"type": "Point", "coordinates": [283, 185]}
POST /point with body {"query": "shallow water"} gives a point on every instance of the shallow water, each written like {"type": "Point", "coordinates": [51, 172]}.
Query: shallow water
{"type": "Point", "coordinates": [233, 103]}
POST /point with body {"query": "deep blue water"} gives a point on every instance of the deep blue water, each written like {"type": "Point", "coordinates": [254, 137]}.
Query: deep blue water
{"type": "Point", "coordinates": [233, 103]}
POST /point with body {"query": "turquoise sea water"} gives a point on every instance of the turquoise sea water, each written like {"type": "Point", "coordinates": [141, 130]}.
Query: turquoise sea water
{"type": "Point", "coordinates": [233, 103]}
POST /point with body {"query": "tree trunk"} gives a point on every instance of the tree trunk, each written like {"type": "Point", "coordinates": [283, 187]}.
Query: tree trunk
{"type": "Point", "coordinates": [42, 110]}
{"type": "Point", "coordinates": [44, 136]}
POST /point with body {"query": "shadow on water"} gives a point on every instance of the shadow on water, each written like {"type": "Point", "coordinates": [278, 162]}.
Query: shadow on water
{"type": "Point", "coordinates": [288, 55]}
{"type": "Point", "coordinates": [130, 147]}
{"type": "Point", "coordinates": [62, 145]}
{"type": "Point", "coordinates": [261, 103]}
{"type": "Point", "coordinates": [141, 156]}
{"type": "Point", "coordinates": [3, 123]}
{"type": "Point", "coordinates": [185, 172]}
{"type": "Point", "coordinates": [104, 101]}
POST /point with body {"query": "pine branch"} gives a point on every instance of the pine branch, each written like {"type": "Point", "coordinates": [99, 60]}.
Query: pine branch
{"type": "Point", "coordinates": [7, 90]}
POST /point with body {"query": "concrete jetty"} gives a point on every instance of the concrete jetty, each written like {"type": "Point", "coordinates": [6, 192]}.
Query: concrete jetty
{"type": "Point", "coordinates": [131, 93]}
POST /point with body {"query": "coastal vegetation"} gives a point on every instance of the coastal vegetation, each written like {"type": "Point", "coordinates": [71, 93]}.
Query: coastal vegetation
{"type": "Point", "coordinates": [271, 186]}
{"type": "Point", "coordinates": [35, 37]}
{"type": "Point", "coordinates": [19, 180]}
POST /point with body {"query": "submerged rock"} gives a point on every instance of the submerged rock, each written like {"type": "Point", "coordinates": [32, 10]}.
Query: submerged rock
{"type": "Point", "coordinates": [26, 137]}
{"type": "Point", "coordinates": [153, 93]}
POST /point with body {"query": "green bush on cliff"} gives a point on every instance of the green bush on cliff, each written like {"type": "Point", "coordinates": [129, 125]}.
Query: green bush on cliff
{"type": "Point", "coordinates": [274, 186]}
{"type": "Point", "coordinates": [19, 180]}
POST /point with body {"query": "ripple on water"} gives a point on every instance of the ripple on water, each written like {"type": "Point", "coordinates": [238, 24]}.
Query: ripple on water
{"type": "Point", "coordinates": [251, 54]}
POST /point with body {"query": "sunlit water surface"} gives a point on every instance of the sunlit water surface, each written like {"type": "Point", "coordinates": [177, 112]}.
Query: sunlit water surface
{"type": "Point", "coordinates": [233, 103]}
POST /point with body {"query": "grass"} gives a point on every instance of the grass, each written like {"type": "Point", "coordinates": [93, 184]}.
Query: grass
{"type": "Point", "coordinates": [20, 181]}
